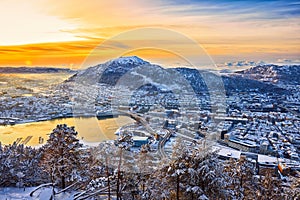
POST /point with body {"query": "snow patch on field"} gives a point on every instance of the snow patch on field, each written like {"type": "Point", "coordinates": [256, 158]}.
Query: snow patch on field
{"type": "Point", "coordinates": [12, 193]}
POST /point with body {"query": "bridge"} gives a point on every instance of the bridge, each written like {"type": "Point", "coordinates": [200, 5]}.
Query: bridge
{"type": "Point", "coordinates": [140, 120]}
{"type": "Point", "coordinates": [162, 141]}
{"type": "Point", "coordinates": [289, 110]}
{"type": "Point", "coordinates": [161, 144]}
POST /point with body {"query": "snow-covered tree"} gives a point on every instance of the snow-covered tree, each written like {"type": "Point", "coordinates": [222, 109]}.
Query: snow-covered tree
{"type": "Point", "coordinates": [19, 166]}
{"type": "Point", "coordinates": [244, 183]}
{"type": "Point", "coordinates": [192, 174]}
{"type": "Point", "coordinates": [293, 191]}
{"type": "Point", "coordinates": [124, 142]}
{"type": "Point", "coordinates": [270, 187]}
{"type": "Point", "coordinates": [106, 154]}
{"type": "Point", "coordinates": [61, 156]}
{"type": "Point", "coordinates": [115, 164]}
{"type": "Point", "coordinates": [146, 165]}
{"type": "Point", "coordinates": [240, 178]}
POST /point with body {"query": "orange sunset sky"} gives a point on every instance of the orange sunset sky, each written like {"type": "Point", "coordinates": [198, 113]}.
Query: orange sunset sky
{"type": "Point", "coordinates": [63, 33]}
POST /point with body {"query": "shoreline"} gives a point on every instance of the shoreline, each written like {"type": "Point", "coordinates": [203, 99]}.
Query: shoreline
{"type": "Point", "coordinates": [92, 129]}
{"type": "Point", "coordinates": [16, 121]}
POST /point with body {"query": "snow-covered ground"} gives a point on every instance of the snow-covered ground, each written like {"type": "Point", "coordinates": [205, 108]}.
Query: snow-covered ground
{"type": "Point", "coordinates": [10, 193]}
{"type": "Point", "coordinates": [13, 193]}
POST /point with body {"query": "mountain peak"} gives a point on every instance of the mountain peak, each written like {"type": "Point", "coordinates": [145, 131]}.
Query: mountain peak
{"type": "Point", "coordinates": [287, 74]}
{"type": "Point", "coordinates": [128, 60]}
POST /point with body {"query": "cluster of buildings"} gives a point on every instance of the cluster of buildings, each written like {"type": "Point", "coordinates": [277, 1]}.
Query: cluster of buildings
{"type": "Point", "coordinates": [33, 108]}
{"type": "Point", "coordinates": [266, 128]}
{"type": "Point", "coordinates": [254, 122]}
{"type": "Point", "coordinates": [66, 100]}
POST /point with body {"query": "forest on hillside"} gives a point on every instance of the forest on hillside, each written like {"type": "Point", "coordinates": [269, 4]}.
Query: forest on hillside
{"type": "Point", "coordinates": [111, 171]}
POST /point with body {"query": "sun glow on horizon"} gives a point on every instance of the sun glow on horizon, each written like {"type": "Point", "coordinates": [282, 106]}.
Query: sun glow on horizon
{"type": "Point", "coordinates": [24, 23]}
{"type": "Point", "coordinates": [63, 33]}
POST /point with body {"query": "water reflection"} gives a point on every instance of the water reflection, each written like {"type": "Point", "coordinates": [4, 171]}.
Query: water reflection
{"type": "Point", "coordinates": [90, 130]}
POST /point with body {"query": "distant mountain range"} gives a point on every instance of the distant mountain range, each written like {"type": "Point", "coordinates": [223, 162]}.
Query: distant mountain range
{"type": "Point", "coordinates": [133, 71]}
{"type": "Point", "coordinates": [286, 74]}
{"type": "Point", "coordinates": [33, 70]}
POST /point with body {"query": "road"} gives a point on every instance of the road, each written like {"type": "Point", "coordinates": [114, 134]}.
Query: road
{"type": "Point", "coordinates": [141, 120]}
{"type": "Point", "coordinates": [161, 144]}
{"type": "Point", "coordinates": [291, 111]}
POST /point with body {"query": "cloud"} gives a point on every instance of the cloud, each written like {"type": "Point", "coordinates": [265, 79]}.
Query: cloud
{"type": "Point", "coordinates": [241, 64]}
{"type": "Point", "coordinates": [50, 54]}
{"type": "Point", "coordinates": [250, 30]}
{"type": "Point", "coordinates": [276, 9]}
{"type": "Point", "coordinates": [283, 61]}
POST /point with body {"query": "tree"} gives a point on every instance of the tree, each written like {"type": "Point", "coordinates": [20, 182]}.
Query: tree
{"type": "Point", "coordinates": [270, 187]}
{"type": "Point", "coordinates": [294, 187]}
{"type": "Point", "coordinates": [240, 178]}
{"type": "Point", "coordinates": [146, 164]}
{"type": "Point", "coordinates": [106, 152]}
{"type": "Point", "coordinates": [192, 174]}
{"type": "Point", "coordinates": [19, 166]}
{"type": "Point", "coordinates": [61, 157]}
{"type": "Point", "coordinates": [124, 142]}
{"type": "Point", "coordinates": [245, 184]}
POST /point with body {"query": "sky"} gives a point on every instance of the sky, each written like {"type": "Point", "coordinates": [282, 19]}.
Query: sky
{"type": "Point", "coordinates": [65, 33]}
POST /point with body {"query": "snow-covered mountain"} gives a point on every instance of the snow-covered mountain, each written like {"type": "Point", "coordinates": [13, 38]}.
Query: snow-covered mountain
{"type": "Point", "coordinates": [127, 61]}
{"type": "Point", "coordinates": [117, 68]}
{"type": "Point", "coordinates": [33, 70]}
{"type": "Point", "coordinates": [287, 74]}
{"type": "Point", "coordinates": [134, 72]}
{"type": "Point", "coordinates": [241, 64]}
{"type": "Point", "coordinates": [108, 72]}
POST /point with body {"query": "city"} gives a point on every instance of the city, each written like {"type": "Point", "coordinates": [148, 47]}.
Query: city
{"type": "Point", "coordinates": [150, 100]}
{"type": "Point", "coordinates": [253, 122]}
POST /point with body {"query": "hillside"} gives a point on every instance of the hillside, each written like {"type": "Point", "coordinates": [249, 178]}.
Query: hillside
{"type": "Point", "coordinates": [286, 74]}
{"type": "Point", "coordinates": [134, 72]}
{"type": "Point", "coordinates": [33, 70]}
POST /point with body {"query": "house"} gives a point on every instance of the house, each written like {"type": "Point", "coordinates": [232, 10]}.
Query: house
{"type": "Point", "coordinates": [138, 141]}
